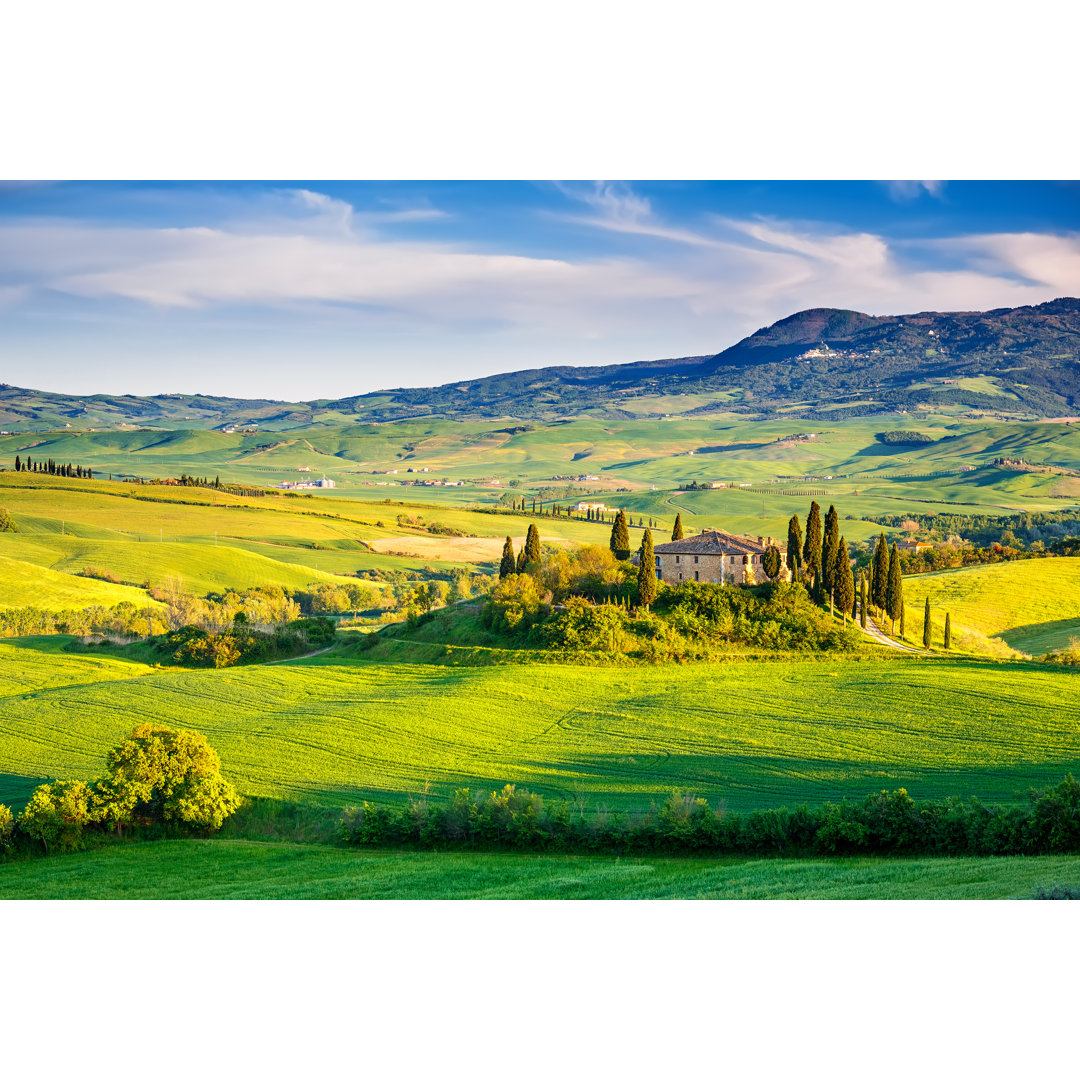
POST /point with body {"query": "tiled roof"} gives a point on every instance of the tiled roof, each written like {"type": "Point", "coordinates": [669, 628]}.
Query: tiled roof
{"type": "Point", "coordinates": [715, 542]}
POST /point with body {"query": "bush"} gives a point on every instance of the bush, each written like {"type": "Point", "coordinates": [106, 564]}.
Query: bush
{"type": "Point", "coordinates": [56, 814]}
{"type": "Point", "coordinates": [1057, 892]}
{"type": "Point", "coordinates": [7, 830]}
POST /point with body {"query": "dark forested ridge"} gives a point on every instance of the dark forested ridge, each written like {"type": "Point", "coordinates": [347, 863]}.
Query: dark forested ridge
{"type": "Point", "coordinates": [836, 363]}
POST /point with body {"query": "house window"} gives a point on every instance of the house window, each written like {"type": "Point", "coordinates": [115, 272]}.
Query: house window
{"type": "Point", "coordinates": [658, 560]}
{"type": "Point", "coordinates": [676, 558]}
{"type": "Point", "coordinates": [695, 558]}
{"type": "Point", "coordinates": [680, 577]}
{"type": "Point", "coordinates": [695, 575]}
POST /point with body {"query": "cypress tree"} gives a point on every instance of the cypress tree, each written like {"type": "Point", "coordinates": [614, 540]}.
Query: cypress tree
{"type": "Point", "coordinates": [509, 563]}
{"type": "Point", "coordinates": [770, 562]}
{"type": "Point", "coordinates": [676, 533]}
{"type": "Point", "coordinates": [89, 474]}
{"type": "Point", "coordinates": [620, 537]}
{"type": "Point", "coordinates": [794, 547]}
{"type": "Point", "coordinates": [830, 549]}
{"type": "Point", "coordinates": [948, 632]}
{"type": "Point", "coordinates": [902, 610]}
{"type": "Point", "coordinates": [18, 463]}
{"type": "Point", "coordinates": [845, 583]}
{"type": "Point", "coordinates": [926, 637]}
{"type": "Point", "coordinates": [879, 579]}
{"type": "Point", "coordinates": [812, 544]}
{"type": "Point", "coordinates": [894, 590]}
{"type": "Point", "coordinates": [646, 577]}
{"type": "Point", "coordinates": [519, 566]}
{"type": "Point", "coordinates": [862, 601]}
{"type": "Point", "coordinates": [532, 545]}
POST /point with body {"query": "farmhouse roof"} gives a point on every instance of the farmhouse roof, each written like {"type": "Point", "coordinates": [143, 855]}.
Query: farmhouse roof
{"type": "Point", "coordinates": [717, 542]}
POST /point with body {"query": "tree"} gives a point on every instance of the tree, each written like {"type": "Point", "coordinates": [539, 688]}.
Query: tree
{"type": "Point", "coordinates": [862, 600]}
{"type": "Point", "coordinates": [7, 830]}
{"type": "Point", "coordinates": [770, 562]}
{"type": "Point", "coordinates": [620, 537]}
{"type": "Point", "coordinates": [879, 575]}
{"type": "Point", "coordinates": [812, 544]}
{"type": "Point", "coordinates": [7, 522]}
{"type": "Point", "coordinates": [159, 775]}
{"type": "Point", "coordinates": [926, 637]}
{"type": "Point", "coordinates": [57, 813]}
{"type": "Point", "coordinates": [948, 632]}
{"type": "Point", "coordinates": [519, 566]}
{"type": "Point", "coordinates": [894, 589]}
{"type": "Point", "coordinates": [676, 533]}
{"type": "Point", "coordinates": [902, 610]}
{"type": "Point", "coordinates": [830, 548]}
{"type": "Point", "coordinates": [794, 547]}
{"type": "Point", "coordinates": [646, 571]}
{"type": "Point", "coordinates": [845, 582]}
{"type": "Point", "coordinates": [532, 545]}
{"type": "Point", "coordinates": [18, 464]}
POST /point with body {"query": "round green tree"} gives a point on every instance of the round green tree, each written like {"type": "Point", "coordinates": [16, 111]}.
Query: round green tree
{"type": "Point", "coordinates": [770, 562]}
{"type": "Point", "coordinates": [159, 775]}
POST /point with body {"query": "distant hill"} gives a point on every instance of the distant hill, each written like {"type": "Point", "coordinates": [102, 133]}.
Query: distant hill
{"type": "Point", "coordinates": [823, 362]}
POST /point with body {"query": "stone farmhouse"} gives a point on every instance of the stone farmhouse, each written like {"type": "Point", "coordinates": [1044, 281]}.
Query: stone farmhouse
{"type": "Point", "coordinates": [717, 557]}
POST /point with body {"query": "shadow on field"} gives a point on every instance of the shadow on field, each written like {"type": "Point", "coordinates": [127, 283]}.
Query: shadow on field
{"type": "Point", "coordinates": [16, 790]}
{"type": "Point", "coordinates": [1041, 637]}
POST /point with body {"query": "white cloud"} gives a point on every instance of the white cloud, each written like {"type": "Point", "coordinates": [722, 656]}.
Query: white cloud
{"type": "Point", "coordinates": [907, 190]}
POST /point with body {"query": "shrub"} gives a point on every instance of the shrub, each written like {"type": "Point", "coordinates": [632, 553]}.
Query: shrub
{"type": "Point", "coordinates": [1057, 892]}
{"type": "Point", "coordinates": [7, 830]}
{"type": "Point", "coordinates": [57, 813]}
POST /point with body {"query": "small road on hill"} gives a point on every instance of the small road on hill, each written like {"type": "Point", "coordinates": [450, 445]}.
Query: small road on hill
{"type": "Point", "coordinates": [303, 656]}
{"type": "Point", "coordinates": [875, 632]}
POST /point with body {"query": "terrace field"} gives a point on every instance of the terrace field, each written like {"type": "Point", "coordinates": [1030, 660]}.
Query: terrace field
{"type": "Point", "coordinates": [337, 729]}
{"type": "Point", "coordinates": [240, 870]}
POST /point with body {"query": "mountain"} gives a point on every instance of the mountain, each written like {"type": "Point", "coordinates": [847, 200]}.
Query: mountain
{"type": "Point", "coordinates": [823, 362]}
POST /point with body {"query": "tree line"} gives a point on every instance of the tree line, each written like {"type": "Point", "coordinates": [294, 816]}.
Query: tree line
{"type": "Point", "coordinates": [885, 823]}
{"type": "Point", "coordinates": [53, 468]}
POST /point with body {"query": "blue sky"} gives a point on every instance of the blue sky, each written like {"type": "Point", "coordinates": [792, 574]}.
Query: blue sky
{"type": "Point", "coordinates": [303, 289]}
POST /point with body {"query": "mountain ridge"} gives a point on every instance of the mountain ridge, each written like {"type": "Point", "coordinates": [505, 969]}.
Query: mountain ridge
{"type": "Point", "coordinates": [816, 360]}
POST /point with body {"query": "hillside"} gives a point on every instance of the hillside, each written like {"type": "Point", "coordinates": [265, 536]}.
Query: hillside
{"type": "Point", "coordinates": [823, 362]}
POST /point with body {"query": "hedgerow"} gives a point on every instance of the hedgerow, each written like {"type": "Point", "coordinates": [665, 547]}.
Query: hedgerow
{"type": "Point", "coordinates": [885, 823]}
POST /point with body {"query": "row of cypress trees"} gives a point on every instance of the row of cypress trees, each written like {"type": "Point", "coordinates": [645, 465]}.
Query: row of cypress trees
{"type": "Point", "coordinates": [52, 468]}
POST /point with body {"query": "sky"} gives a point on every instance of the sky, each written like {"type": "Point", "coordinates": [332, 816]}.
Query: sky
{"type": "Point", "coordinates": [301, 289]}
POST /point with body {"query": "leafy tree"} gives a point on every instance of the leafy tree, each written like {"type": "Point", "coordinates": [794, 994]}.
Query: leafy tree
{"type": "Point", "coordinates": [620, 537]}
{"type": "Point", "coordinates": [879, 575]}
{"type": "Point", "coordinates": [948, 632]}
{"type": "Point", "coordinates": [770, 562]}
{"type": "Point", "coordinates": [794, 547]}
{"type": "Point", "coordinates": [7, 830]}
{"type": "Point", "coordinates": [532, 545]}
{"type": "Point", "coordinates": [862, 601]}
{"type": "Point", "coordinates": [812, 543]}
{"type": "Point", "coordinates": [57, 813]}
{"type": "Point", "coordinates": [894, 589]}
{"type": "Point", "coordinates": [926, 637]}
{"type": "Point", "coordinates": [647, 571]}
{"type": "Point", "coordinates": [677, 533]}
{"type": "Point", "coordinates": [845, 582]}
{"type": "Point", "coordinates": [163, 776]}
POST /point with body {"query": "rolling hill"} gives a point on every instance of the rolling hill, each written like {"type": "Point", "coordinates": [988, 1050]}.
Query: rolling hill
{"type": "Point", "coordinates": [824, 362]}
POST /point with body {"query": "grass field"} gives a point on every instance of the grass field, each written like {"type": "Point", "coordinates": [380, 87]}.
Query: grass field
{"type": "Point", "coordinates": [241, 870]}
{"type": "Point", "coordinates": [1032, 605]}
{"type": "Point", "coordinates": [334, 729]}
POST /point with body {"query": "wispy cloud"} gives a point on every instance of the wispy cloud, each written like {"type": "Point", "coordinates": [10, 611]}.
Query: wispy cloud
{"type": "Point", "coordinates": [909, 190]}
{"type": "Point", "coordinates": [619, 209]}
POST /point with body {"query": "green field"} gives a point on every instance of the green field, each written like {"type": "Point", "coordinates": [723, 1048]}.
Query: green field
{"type": "Point", "coordinates": [1032, 605]}
{"type": "Point", "coordinates": [337, 729]}
{"type": "Point", "coordinates": [241, 870]}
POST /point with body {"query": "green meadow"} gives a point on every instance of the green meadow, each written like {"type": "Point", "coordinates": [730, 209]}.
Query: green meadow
{"type": "Point", "coordinates": [337, 729]}
{"type": "Point", "coordinates": [241, 870]}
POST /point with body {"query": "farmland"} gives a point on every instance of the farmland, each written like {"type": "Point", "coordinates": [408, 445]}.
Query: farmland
{"type": "Point", "coordinates": [238, 870]}
{"type": "Point", "coordinates": [1033, 606]}
{"type": "Point", "coordinates": [337, 729]}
